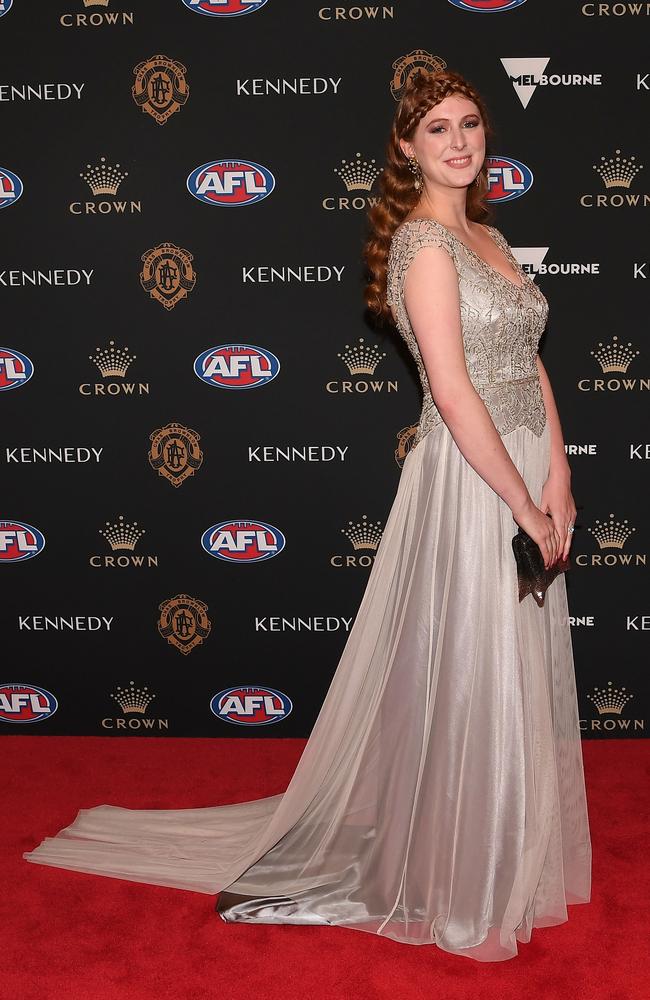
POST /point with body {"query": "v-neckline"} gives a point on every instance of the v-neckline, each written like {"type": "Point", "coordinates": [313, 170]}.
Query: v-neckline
{"type": "Point", "coordinates": [469, 250]}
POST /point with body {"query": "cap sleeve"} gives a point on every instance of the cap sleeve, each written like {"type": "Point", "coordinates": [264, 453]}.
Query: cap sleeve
{"type": "Point", "coordinates": [407, 240]}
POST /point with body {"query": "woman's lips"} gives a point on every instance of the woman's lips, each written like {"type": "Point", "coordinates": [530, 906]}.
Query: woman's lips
{"type": "Point", "coordinates": [459, 162]}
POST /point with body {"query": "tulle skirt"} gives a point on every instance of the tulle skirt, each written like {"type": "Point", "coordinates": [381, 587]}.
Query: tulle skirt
{"type": "Point", "coordinates": [440, 798]}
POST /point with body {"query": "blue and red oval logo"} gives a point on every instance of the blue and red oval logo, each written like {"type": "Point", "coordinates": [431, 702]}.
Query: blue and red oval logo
{"type": "Point", "coordinates": [231, 183]}
{"type": "Point", "coordinates": [236, 366]}
{"type": "Point", "coordinates": [15, 369]}
{"type": "Point", "coordinates": [19, 541]}
{"type": "Point", "coordinates": [11, 186]}
{"type": "Point", "coordinates": [243, 541]}
{"type": "Point", "coordinates": [507, 178]}
{"type": "Point", "coordinates": [224, 8]}
{"type": "Point", "coordinates": [487, 6]}
{"type": "Point", "coordinates": [249, 705]}
{"type": "Point", "coordinates": [26, 703]}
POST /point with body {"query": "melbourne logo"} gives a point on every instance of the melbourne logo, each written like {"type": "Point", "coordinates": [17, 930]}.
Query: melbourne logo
{"type": "Point", "coordinates": [616, 171]}
{"type": "Point", "coordinates": [236, 366]}
{"type": "Point", "coordinates": [527, 73]}
{"type": "Point", "coordinates": [507, 178]}
{"type": "Point", "coordinates": [231, 183]}
{"type": "Point", "coordinates": [224, 8]}
{"type": "Point", "coordinates": [361, 360]}
{"type": "Point", "coordinates": [243, 541]}
{"type": "Point", "coordinates": [134, 703]}
{"type": "Point", "coordinates": [19, 541]}
{"type": "Point", "coordinates": [167, 274]}
{"type": "Point", "coordinates": [175, 452]}
{"type": "Point", "coordinates": [251, 705]}
{"type": "Point", "coordinates": [160, 87]}
{"type": "Point", "coordinates": [113, 363]}
{"type": "Point", "coordinates": [358, 176]}
{"type": "Point", "coordinates": [104, 182]}
{"type": "Point", "coordinates": [487, 6]}
{"type": "Point", "coordinates": [184, 622]}
{"type": "Point", "coordinates": [364, 537]}
{"type": "Point", "coordinates": [15, 369]}
{"type": "Point", "coordinates": [26, 703]}
{"type": "Point", "coordinates": [122, 537]}
{"type": "Point", "coordinates": [11, 187]}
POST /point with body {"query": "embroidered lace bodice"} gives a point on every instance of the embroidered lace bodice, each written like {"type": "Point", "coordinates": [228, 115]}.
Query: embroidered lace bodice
{"type": "Point", "coordinates": [502, 324]}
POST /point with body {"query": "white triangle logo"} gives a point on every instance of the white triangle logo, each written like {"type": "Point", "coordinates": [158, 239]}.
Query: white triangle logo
{"type": "Point", "coordinates": [530, 258]}
{"type": "Point", "coordinates": [524, 75]}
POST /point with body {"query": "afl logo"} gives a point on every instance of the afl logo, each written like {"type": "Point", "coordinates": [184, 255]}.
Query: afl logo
{"type": "Point", "coordinates": [251, 705]}
{"type": "Point", "coordinates": [26, 703]}
{"type": "Point", "coordinates": [487, 6]}
{"type": "Point", "coordinates": [230, 183]}
{"type": "Point", "coordinates": [11, 186]}
{"type": "Point", "coordinates": [19, 541]}
{"type": "Point", "coordinates": [5, 6]}
{"type": "Point", "coordinates": [224, 8]}
{"type": "Point", "coordinates": [507, 179]}
{"type": "Point", "coordinates": [15, 369]}
{"type": "Point", "coordinates": [243, 541]}
{"type": "Point", "coordinates": [236, 366]}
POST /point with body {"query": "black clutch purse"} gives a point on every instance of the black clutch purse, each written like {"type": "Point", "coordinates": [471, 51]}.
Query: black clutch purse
{"type": "Point", "coordinates": [531, 575]}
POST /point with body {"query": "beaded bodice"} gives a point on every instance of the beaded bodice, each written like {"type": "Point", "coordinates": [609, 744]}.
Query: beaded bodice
{"type": "Point", "coordinates": [501, 322]}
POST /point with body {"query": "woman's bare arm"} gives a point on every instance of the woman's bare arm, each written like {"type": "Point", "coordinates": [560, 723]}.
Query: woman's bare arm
{"type": "Point", "coordinates": [559, 461]}
{"type": "Point", "coordinates": [432, 301]}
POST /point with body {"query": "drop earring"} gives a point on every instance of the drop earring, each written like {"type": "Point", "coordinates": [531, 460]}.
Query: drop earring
{"type": "Point", "coordinates": [414, 167]}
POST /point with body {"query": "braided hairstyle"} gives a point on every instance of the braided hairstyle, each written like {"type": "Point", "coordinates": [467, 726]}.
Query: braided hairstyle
{"type": "Point", "coordinates": [397, 194]}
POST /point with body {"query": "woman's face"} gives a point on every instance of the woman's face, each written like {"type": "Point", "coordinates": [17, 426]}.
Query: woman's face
{"type": "Point", "coordinates": [449, 142]}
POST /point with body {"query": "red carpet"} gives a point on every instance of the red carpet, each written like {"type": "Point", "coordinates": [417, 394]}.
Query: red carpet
{"type": "Point", "coordinates": [85, 937]}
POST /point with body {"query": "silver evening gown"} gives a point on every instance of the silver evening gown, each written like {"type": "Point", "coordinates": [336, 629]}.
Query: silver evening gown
{"type": "Point", "coordinates": [440, 798]}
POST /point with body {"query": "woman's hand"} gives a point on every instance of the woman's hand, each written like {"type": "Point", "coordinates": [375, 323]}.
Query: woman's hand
{"type": "Point", "coordinates": [557, 500]}
{"type": "Point", "coordinates": [541, 529]}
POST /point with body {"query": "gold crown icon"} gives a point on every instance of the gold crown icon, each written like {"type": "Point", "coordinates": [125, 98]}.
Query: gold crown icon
{"type": "Point", "coordinates": [610, 700]}
{"type": "Point", "coordinates": [121, 535]}
{"type": "Point", "coordinates": [361, 360]}
{"type": "Point", "coordinates": [617, 171]}
{"type": "Point", "coordinates": [611, 534]}
{"type": "Point", "coordinates": [113, 362]}
{"type": "Point", "coordinates": [132, 699]}
{"type": "Point", "coordinates": [359, 175]}
{"type": "Point", "coordinates": [103, 179]}
{"type": "Point", "coordinates": [364, 534]}
{"type": "Point", "coordinates": [614, 357]}
{"type": "Point", "coordinates": [96, 3]}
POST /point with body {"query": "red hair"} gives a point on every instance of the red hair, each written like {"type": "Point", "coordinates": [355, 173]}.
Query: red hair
{"type": "Point", "coordinates": [397, 194]}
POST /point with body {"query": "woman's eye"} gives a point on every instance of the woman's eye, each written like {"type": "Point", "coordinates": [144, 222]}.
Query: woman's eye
{"type": "Point", "coordinates": [436, 128]}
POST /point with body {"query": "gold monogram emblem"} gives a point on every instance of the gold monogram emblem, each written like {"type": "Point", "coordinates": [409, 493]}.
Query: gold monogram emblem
{"type": "Point", "coordinates": [160, 87]}
{"type": "Point", "coordinates": [419, 60]}
{"type": "Point", "coordinates": [404, 443]}
{"type": "Point", "coordinates": [184, 622]}
{"type": "Point", "coordinates": [175, 452]}
{"type": "Point", "coordinates": [167, 274]}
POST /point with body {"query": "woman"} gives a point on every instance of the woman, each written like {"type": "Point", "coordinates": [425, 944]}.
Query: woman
{"type": "Point", "coordinates": [440, 798]}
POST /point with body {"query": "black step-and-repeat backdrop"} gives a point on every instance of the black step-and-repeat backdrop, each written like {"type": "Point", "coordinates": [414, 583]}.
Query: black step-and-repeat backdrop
{"type": "Point", "coordinates": [201, 433]}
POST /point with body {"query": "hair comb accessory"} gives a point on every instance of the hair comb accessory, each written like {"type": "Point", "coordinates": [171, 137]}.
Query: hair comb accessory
{"type": "Point", "coordinates": [532, 577]}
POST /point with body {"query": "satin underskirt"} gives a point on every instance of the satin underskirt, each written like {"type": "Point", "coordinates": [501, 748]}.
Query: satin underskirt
{"type": "Point", "coordinates": [440, 798]}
